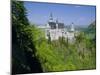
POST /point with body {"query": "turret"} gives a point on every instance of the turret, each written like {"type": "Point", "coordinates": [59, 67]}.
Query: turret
{"type": "Point", "coordinates": [57, 23]}
{"type": "Point", "coordinates": [72, 27]}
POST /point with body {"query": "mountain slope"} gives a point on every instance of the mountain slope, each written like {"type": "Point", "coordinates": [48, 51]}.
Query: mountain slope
{"type": "Point", "coordinates": [92, 27]}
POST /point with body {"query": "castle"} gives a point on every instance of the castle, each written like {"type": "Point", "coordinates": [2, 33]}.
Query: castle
{"type": "Point", "coordinates": [55, 29]}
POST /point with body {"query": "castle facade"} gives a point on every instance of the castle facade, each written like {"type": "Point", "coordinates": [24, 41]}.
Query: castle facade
{"type": "Point", "coordinates": [54, 30]}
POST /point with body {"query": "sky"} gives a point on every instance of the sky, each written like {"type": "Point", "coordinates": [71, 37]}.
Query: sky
{"type": "Point", "coordinates": [39, 13]}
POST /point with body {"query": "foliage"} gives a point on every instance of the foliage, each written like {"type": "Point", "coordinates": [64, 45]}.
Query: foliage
{"type": "Point", "coordinates": [24, 59]}
{"type": "Point", "coordinates": [59, 55]}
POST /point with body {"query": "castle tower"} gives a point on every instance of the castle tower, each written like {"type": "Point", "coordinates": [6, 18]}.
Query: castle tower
{"type": "Point", "coordinates": [72, 27]}
{"type": "Point", "coordinates": [51, 18]}
{"type": "Point", "coordinates": [56, 23]}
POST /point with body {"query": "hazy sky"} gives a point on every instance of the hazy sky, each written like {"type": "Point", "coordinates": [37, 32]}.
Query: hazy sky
{"type": "Point", "coordinates": [78, 14]}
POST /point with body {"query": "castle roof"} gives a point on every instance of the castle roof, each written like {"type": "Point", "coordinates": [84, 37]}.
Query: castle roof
{"type": "Point", "coordinates": [52, 25]}
{"type": "Point", "coordinates": [55, 24]}
{"type": "Point", "coordinates": [60, 25]}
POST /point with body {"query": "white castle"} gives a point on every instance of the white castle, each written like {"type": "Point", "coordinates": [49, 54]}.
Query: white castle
{"type": "Point", "coordinates": [55, 29]}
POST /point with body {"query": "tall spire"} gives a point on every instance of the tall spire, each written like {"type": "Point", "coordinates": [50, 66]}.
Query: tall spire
{"type": "Point", "coordinates": [51, 16]}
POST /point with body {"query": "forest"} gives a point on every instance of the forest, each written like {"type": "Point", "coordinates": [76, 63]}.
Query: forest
{"type": "Point", "coordinates": [32, 53]}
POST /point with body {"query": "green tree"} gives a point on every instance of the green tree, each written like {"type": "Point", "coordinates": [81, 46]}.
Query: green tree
{"type": "Point", "coordinates": [24, 58]}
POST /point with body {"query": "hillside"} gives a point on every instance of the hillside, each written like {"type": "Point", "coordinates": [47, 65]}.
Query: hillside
{"type": "Point", "coordinates": [92, 27]}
